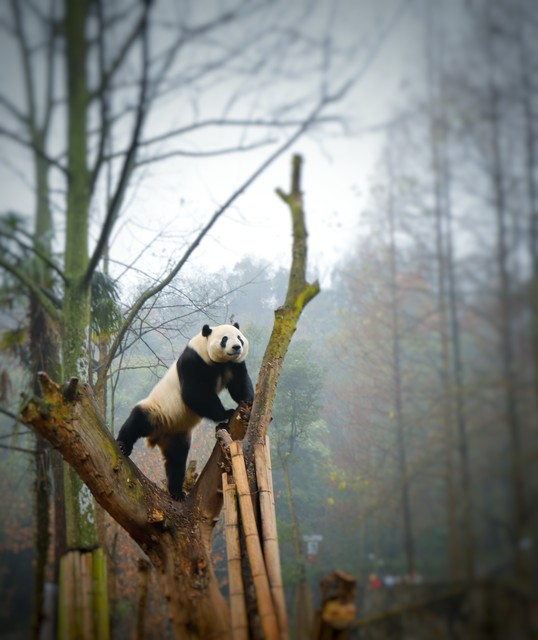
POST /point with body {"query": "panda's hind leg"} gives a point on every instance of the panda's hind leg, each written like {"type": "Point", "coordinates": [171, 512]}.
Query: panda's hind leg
{"type": "Point", "coordinates": [175, 449]}
{"type": "Point", "coordinates": [137, 425]}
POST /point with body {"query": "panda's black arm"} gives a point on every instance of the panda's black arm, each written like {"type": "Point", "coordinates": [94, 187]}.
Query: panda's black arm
{"type": "Point", "coordinates": [204, 401]}
{"type": "Point", "coordinates": [240, 386]}
{"type": "Point", "coordinates": [198, 387]}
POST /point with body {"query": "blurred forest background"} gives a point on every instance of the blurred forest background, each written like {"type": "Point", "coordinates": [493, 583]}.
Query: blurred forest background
{"type": "Point", "coordinates": [404, 437]}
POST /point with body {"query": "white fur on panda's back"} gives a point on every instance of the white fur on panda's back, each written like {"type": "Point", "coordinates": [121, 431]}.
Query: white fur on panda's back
{"type": "Point", "coordinates": [199, 344]}
{"type": "Point", "coordinates": [173, 412]}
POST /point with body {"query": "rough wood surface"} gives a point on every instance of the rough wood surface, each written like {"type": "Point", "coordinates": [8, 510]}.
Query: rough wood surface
{"type": "Point", "coordinates": [254, 549]}
{"type": "Point", "coordinates": [270, 534]}
{"type": "Point", "coordinates": [299, 294]}
{"type": "Point", "coordinates": [175, 536]}
{"type": "Point", "coordinates": [233, 553]}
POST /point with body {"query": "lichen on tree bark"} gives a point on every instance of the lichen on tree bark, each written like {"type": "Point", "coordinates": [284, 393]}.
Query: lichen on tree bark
{"type": "Point", "coordinates": [175, 536]}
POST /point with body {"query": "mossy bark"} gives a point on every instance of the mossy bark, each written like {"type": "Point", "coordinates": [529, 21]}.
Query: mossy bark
{"type": "Point", "coordinates": [81, 530]}
{"type": "Point", "coordinates": [76, 308]}
{"type": "Point", "coordinates": [175, 536]}
{"type": "Point", "coordinates": [299, 294]}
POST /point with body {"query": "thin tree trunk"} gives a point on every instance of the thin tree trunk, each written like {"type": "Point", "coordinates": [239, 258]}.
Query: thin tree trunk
{"type": "Point", "coordinates": [446, 391]}
{"type": "Point", "coordinates": [409, 546]}
{"type": "Point", "coordinates": [531, 163]}
{"type": "Point", "coordinates": [457, 364]}
{"type": "Point", "coordinates": [79, 505]}
{"type": "Point", "coordinates": [298, 295]}
{"type": "Point", "coordinates": [531, 167]}
{"type": "Point", "coordinates": [510, 378]}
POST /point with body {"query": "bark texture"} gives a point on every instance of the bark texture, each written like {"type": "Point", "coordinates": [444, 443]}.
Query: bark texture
{"type": "Point", "coordinates": [299, 294]}
{"type": "Point", "coordinates": [177, 536]}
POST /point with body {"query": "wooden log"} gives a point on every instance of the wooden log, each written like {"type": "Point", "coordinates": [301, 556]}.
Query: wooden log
{"type": "Point", "coordinates": [86, 593]}
{"type": "Point", "coordinates": [65, 606]}
{"type": "Point", "coordinates": [271, 551]}
{"type": "Point", "coordinates": [101, 618]}
{"type": "Point", "coordinates": [260, 580]}
{"type": "Point", "coordinates": [238, 607]}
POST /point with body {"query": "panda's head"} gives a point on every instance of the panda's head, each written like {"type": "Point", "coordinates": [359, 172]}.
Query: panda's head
{"type": "Point", "coordinates": [225, 343]}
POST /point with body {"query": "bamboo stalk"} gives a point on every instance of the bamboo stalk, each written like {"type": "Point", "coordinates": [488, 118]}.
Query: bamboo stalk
{"type": "Point", "coordinates": [64, 611]}
{"type": "Point", "coordinates": [75, 630]}
{"type": "Point", "coordinates": [86, 593]}
{"type": "Point", "coordinates": [101, 619]}
{"type": "Point", "coordinates": [254, 550]}
{"type": "Point", "coordinates": [270, 533]}
{"type": "Point", "coordinates": [73, 595]}
{"type": "Point", "coordinates": [238, 607]}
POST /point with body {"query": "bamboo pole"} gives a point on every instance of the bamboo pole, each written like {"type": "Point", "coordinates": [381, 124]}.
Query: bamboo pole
{"type": "Point", "coordinates": [238, 607]}
{"type": "Point", "coordinates": [269, 532]}
{"type": "Point", "coordinates": [254, 550]}
{"type": "Point", "coordinates": [64, 612]}
{"type": "Point", "coordinates": [86, 593]}
{"type": "Point", "coordinates": [101, 620]}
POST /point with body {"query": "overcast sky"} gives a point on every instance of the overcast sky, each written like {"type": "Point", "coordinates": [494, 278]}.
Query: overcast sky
{"type": "Point", "coordinates": [176, 197]}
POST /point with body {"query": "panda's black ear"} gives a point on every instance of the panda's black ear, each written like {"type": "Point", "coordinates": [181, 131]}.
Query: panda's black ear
{"type": "Point", "coordinates": [206, 330]}
{"type": "Point", "coordinates": [236, 325]}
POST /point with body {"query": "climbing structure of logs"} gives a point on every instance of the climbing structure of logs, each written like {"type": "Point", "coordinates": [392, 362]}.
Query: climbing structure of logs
{"type": "Point", "coordinates": [262, 553]}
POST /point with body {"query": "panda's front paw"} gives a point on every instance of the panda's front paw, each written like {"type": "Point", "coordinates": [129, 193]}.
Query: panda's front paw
{"type": "Point", "coordinates": [124, 448]}
{"type": "Point", "coordinates": [178, 495]}
{"type": "Point", "coordinates": [244, 411]}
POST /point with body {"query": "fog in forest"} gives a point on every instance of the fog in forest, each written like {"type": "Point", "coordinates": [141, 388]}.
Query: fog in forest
{"type": "Point", "coordinates": [404, 440]}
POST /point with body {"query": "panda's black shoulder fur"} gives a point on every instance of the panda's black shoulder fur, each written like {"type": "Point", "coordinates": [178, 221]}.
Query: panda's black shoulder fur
{"type": "Point", "coordinates": [199, 384]}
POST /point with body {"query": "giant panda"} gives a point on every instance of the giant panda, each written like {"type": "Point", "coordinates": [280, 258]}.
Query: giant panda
{"type": "Point", "coordinates": [212, 361]}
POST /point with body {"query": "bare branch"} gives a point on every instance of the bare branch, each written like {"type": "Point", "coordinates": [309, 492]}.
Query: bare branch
{"type": "Point", "coordinates": [130, 40]}
{"type": "Point", "coordinates": [85, 443]}
{"type": "Point", "coordinates": [45, 299]}
{"type": "Point", "coordinates": [242, 123]}
{"type": "Point", "coordinates": [9, 106]}
{"type": "Point", "coordinates": [128, 163]}
{"type": "Point", "coordinates": [32, 452]}
{"type": "Point", "coordinates": [49, 85]}
{"type": "Point", "coordinates": [37, 251]}
{"type": "Point", "coordinates": [205, 154]}
{"type": "Point", "coordinates": [25, 58]}
{"type": "Point", "coordinates": [33, 146]}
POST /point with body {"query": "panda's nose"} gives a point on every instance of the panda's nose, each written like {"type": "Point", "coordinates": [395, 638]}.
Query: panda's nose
{"type": "Point", "coordinates": [236, 347]}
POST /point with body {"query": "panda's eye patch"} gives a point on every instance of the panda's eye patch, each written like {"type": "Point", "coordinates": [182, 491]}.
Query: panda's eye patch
{"type": "Point", "coordinates": [241, 341]}
{"type": "Point", "coordinates": [224, 341]}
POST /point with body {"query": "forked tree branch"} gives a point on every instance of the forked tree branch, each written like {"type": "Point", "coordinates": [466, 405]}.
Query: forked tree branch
{"type": "Point", "coordinates": [129, 160]}
{"type": "Point", "coordinates": [152, 291]}
{"type": "Point", "coordinates": [176, 536]}
{"type": "Point", "coordinates": [299, 294]}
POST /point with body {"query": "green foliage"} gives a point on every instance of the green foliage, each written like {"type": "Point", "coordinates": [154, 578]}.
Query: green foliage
{"type": "Point", "coordinates": [298, 399]}
{"type": "Point", "coordinates": [106, 313]}
{"type": "Point", "coordinates": [14, 339]}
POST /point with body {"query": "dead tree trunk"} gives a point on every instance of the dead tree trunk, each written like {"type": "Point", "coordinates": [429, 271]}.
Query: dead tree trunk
{"type": "Point", "coordinates": [176, 536]}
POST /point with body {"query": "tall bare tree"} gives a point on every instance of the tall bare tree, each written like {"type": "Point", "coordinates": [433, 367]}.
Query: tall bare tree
{"type": "Point", "coordinates": [102, 69]}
